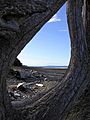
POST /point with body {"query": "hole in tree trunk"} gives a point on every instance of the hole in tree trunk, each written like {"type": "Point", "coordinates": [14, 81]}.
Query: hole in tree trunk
{"type": "Point", "coordinates": [44, 61]}
{"type": "Point", "coordinates": [57, 102]}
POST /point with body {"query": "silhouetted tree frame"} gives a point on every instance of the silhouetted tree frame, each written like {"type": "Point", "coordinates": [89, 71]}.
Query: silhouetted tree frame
{"type": "Point", "coordinates": [19, 22]}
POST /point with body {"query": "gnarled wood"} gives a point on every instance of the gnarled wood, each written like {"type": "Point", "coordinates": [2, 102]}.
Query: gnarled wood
{"type": "Point", "coordinates": [19, 22]}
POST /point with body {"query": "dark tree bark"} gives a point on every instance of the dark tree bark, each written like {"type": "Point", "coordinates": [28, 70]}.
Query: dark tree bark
{"type": "Point", "coordinates": [19, 22]}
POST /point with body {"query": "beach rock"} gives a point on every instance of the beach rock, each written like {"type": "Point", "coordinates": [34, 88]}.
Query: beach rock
{"type": "Point", "coordinates": [22, 87]}
{"type": "Point", "coordinates": [45, 79]}
{"type": "Point", "coordinates": [25, 87]}
{"type": "Point", "coordinates": [23, 74]}
{"type": "Point", "coordinates": [17, 62]}
{"type": "Point", "coordinates": [14, 95]}
{"type": "Point", "coordinates": [12, 87]}
{"type": "Point", "coordinates": [39, 84]}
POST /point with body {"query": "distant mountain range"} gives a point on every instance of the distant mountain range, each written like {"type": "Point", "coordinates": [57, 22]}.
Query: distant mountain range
{"type": "Point", "coordinates": [50, 66]}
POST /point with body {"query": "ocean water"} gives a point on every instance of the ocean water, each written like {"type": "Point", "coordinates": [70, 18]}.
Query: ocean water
{"type": "Point", "coordinates": [50, 66]}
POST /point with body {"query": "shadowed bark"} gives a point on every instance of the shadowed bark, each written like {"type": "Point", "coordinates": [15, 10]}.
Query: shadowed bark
{"type": "Point", "coordinates": [19, 22]}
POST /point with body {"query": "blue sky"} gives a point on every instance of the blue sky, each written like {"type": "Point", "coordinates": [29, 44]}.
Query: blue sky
{"type": "Point", "coordinates": [51, 45]}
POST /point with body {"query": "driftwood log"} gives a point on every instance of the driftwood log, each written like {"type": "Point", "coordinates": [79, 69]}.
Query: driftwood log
{"type": "Point", "coordinates": [20, 20]}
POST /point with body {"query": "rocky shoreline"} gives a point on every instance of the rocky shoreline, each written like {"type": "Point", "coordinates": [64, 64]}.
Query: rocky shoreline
{"type": "Point", "coordinates": [28, 83]}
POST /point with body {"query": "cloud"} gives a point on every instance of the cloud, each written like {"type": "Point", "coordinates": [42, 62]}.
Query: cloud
{"type": "Point", "coordinates": [54, 19]}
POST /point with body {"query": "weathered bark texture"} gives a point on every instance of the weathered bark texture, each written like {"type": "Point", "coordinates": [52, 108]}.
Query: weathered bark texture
{"type": "Point", "coordinates": [19, 22]}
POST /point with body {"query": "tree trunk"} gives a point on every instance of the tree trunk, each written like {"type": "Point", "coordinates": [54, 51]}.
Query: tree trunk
{"type": "Point", "coordinates": [19, 22]}
{"type": "Point", "coordinates": [56, 104]}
